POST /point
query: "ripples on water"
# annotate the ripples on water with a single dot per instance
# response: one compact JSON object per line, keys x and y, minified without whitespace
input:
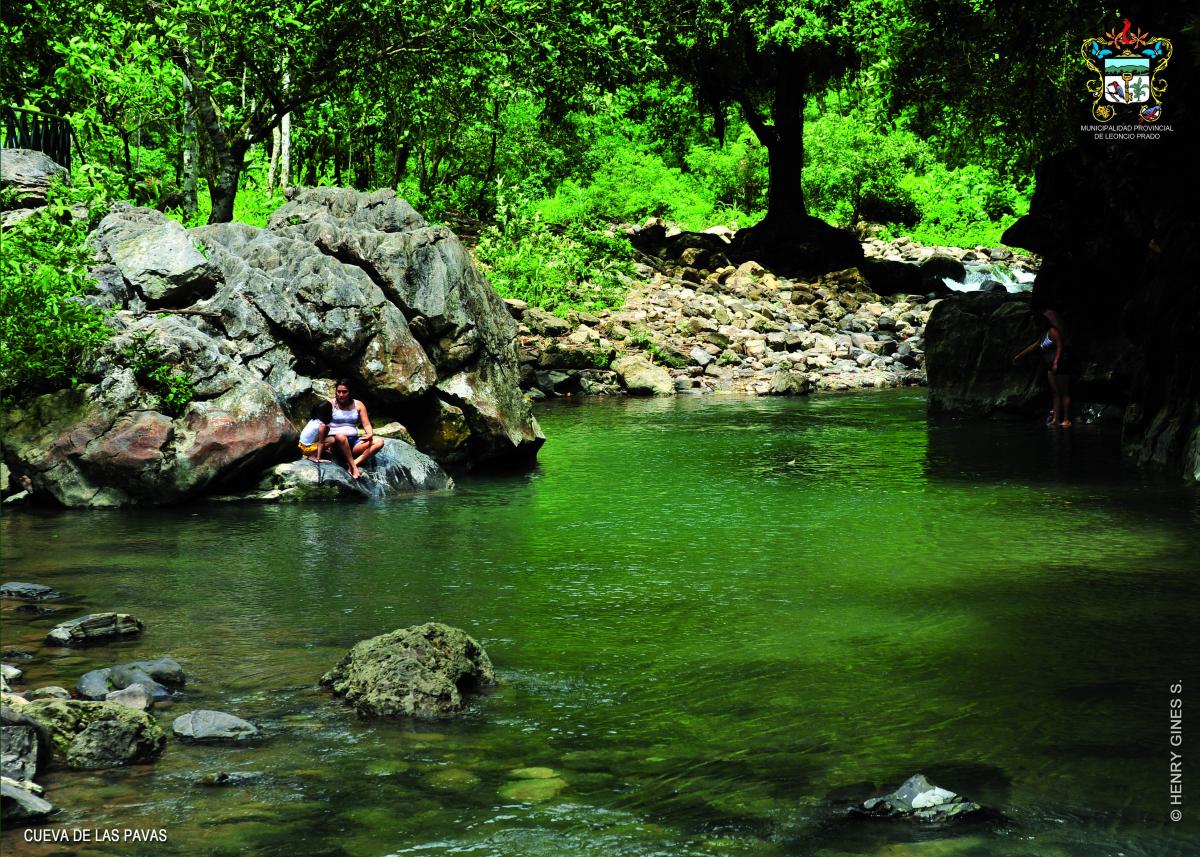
{"x":717,"y":620}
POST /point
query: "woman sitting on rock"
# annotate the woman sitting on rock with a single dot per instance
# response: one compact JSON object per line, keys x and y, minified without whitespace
{"x":348,"y":415}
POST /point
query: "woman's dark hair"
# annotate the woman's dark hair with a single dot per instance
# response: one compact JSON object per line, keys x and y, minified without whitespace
{"x":322,"y":411}
{"x":345,"y":382}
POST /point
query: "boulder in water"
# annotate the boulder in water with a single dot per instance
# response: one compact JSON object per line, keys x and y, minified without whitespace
{"x":95,"y":734}
{"x":425,"y":671}
{"x":919,"y":800}
{"x":28,"y":591}
{"x":18,"y":752}
{"x":206,"y":726}
{"x":641,"y":377}
{"x":95,"y":628}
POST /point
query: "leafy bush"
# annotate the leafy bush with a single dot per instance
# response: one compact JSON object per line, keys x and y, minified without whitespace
{"x":852,"y":171}
{"x":173,"y":389}
{"x":562,"y":268}
{"x":47,"y":327}
{"x":963,"y":207}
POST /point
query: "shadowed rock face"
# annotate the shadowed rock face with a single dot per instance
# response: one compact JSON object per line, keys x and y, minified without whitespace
{"x":341,"y":284}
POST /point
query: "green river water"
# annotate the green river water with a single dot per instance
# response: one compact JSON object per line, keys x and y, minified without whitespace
{"x":716,"y":620}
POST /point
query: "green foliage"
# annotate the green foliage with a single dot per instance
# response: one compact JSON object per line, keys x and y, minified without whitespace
{"x":853,"y":171}
{"x":963,"y":207}
{"x":173,"y":390}
{"x":48,"y":328}
{"x":574,"y":267}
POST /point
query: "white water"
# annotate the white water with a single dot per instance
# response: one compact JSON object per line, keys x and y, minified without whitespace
{"x":1013,"y":279}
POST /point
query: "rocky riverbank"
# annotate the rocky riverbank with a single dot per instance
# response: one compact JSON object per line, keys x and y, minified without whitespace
{"x":695,"y":323}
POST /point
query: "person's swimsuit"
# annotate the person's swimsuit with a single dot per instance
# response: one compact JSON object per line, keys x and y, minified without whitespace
{"x":1048,"y":351}
{"x":345,"y":422}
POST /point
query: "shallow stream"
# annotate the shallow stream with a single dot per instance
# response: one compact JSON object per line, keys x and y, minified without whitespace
{"x":716,"y":620}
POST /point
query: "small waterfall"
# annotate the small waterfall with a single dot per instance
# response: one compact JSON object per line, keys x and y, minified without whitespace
{"x":1013,"y":279}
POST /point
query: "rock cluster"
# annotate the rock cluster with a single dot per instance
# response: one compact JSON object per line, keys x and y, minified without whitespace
{"x":740,"y":330}
{"x":260,"y":322}
{"x":425,"y":671}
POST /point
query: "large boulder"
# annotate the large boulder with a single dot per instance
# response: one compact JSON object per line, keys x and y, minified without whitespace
{"x":643,"y":378}
{"x":28,"y":175}
{"x":425,"y":671}
{"x":427,"y":276}
{"x":95,"y":734}
{"x":971,"y":339}
{"x":341,"y":284}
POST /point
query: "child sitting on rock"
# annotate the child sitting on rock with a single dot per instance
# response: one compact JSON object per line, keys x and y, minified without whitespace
{"x":312,"y":436}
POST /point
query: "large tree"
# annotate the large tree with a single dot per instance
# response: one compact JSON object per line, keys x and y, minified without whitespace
{"x":764,"y":58}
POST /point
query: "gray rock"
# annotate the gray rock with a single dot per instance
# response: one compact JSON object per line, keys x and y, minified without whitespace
{"x":700,"y":357}
{"x":424,"y":671}
{"x":94,"y":734}
{"x":94,"y":684}
{"x":991,"y":286}
{"x":95,"y":628}
{"x":344,"y":283}
{"x":971,"y":339}
{"x":18,"y":752}
{"x":643,"y":378}
{"x":28,"y":592}
{"x":165,"y":267}
{"x":50,"y":691}
{"x":10,"y":673}
{"x":545,"y":323}
{"x":135,"y":696}
{"x":789,"y":384}
{"x":203,"y":725}
{"x":397,"y":469}
{"x":165,"y":670}
{"x":919,"y":800}
{"x":29,"y":174}
{"x":19,"y":804}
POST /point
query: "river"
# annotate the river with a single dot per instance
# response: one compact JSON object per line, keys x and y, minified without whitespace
{"x":716,"y":621}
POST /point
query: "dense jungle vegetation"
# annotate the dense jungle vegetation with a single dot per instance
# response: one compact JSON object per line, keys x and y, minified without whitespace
{"x":532,"y":126}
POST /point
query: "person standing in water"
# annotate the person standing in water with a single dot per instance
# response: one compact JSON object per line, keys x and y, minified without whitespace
{"x":349,"y":415}
{"x":1059,"y":367}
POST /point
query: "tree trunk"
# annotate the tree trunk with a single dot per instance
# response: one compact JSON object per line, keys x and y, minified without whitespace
{"x":191,"y":149}
{"x":285,"y":151}
{"x":230,"y":160}
{"x":285,"y":137}
{"x":788,"y":240}
{"x":274,"y":161}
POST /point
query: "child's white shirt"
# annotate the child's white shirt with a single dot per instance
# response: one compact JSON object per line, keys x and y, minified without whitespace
{"x":308,"y":435}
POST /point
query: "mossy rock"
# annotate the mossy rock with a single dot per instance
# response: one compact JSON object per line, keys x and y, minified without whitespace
{"x":533,"y":773}
{"x":95,"y":734}
{"x":425,"y":671}
{"x":533,"y":791}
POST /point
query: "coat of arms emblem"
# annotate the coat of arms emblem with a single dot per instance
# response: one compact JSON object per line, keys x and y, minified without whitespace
{"x":1127,"y":65}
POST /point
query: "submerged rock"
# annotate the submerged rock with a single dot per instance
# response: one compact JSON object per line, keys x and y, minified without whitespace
{"x":533,"y":790}
{"x":230,"y":778}
{"x":203,"y":725}
{"x":95,"y":628}
{"x":136,"y":696}
{"x":424,"y":671}
{"x":152,"y":675}
{"x":95,"y":734}
{"x":919,"y":800}
{"x":28,"y":591}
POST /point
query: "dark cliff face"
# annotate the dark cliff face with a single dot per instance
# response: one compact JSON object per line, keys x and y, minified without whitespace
{"x":1118,"y":226}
